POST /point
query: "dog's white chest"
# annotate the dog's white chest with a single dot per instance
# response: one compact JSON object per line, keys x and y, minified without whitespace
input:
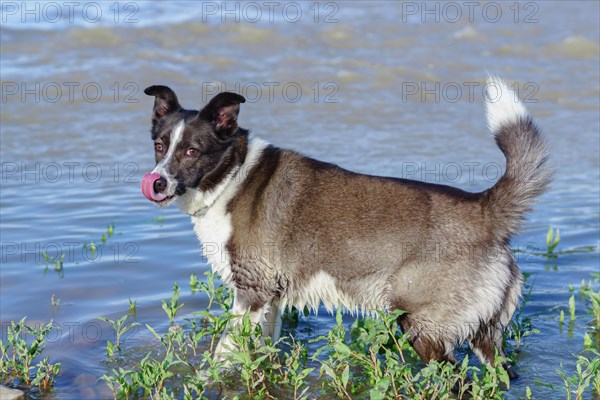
{"x":214,"y":228}
{"x":214,"y":231}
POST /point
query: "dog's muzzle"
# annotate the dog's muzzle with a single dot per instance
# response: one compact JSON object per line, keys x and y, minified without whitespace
{"x":153,"y":187}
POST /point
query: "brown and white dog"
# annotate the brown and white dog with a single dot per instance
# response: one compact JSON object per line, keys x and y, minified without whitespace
{"x":282,"y":229}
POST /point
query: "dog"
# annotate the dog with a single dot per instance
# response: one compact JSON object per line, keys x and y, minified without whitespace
{"x":282,"y":229}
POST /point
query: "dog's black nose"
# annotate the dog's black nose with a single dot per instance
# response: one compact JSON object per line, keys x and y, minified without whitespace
{"x":160,"y":185}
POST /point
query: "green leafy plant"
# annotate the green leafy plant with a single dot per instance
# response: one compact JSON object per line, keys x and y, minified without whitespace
{"x":172,"y":306}
{"x":109,"y":232}
{"x":592,"y":299}
{"x":371,"y":358}
{"x":572,"y":308}
{"x":132,"y":306}
{"x":216,"y":294}
{"x":92,"y":247}
{"x":17,"y":357}
{"x":120,"y":328}
{"x":587,"y":375}
{"x":110,"y":229}
{"x":58,"y":263}
{"x":552,"y":239}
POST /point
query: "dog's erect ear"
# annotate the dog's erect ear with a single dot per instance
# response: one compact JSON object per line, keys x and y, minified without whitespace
{"x":222,"y":111}
{"x":165,"y":101}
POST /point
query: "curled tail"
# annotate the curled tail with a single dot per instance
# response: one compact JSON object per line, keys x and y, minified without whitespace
{"x":527,"y":173}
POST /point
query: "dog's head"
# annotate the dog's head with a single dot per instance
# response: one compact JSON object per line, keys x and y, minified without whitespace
{"x":194,"y":150}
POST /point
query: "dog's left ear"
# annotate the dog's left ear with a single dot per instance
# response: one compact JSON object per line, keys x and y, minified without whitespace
{"x":165,"y":101}
{"x":222,"y":111}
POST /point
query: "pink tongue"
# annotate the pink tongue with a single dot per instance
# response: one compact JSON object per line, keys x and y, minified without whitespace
{"x":148,"y":187}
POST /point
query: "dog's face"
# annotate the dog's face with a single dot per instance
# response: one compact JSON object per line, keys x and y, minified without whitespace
{"x":194,"y":150}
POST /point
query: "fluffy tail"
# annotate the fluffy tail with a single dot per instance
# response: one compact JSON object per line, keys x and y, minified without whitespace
{"x":527,"y":174}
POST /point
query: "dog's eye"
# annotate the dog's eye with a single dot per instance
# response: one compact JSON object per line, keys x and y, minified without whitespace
{"x":192,"y":152}
{"x":158,"y":146}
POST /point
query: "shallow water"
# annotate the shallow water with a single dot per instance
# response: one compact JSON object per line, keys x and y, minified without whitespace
{"x":384,"y":88}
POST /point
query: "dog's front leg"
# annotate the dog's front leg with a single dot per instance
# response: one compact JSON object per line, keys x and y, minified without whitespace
{"x":238,"y":310}
{"x":272,"y":325}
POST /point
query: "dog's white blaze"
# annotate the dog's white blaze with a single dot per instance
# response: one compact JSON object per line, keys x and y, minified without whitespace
{"x":502,"y":104}
{"x":175,"y":138}
{"x":214,"y":227}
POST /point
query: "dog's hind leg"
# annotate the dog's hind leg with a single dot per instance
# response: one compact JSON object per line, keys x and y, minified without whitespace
{"x":429,"y":349}
{"x":425,"y":343}
{"x":486,"y":342}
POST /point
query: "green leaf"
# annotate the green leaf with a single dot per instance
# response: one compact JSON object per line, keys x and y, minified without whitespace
{"x":342,"y":348}
{"x":346,"y":375}
{"x":587,"y":341}
{"x":549,"y":237}
{"x":380,"y":390}
{"x":305,"y":373}
{"x":503,"y":376}
{"x":329,"y":371}
{"x":110,"y":349}
{"x":156,"y":335}
{"x":465,"y":363}
{"x":572,"y":307}
{"x":338,"y":316}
